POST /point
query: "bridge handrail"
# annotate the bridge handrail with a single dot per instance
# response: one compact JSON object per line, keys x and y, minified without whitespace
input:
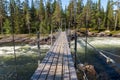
{"x":108,"y":59}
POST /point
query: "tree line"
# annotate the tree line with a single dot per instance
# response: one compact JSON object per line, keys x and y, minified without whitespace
{"x":49,"y":15}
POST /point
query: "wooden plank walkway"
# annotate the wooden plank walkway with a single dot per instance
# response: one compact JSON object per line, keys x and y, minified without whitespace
{"x":58,"y":63}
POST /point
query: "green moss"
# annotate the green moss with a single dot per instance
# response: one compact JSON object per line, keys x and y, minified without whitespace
{"x":115,"y":32}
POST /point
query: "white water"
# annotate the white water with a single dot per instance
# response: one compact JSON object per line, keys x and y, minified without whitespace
{"x":104,"y":41}
{"x":8,"y":50}
{"x":110,"y":44}
{"x":100,"y":41}
{"x":95,"y":41}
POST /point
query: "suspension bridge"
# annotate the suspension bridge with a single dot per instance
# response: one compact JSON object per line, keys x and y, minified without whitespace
{"x":58,"y":63}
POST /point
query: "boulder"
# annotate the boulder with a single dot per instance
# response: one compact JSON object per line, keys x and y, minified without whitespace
{"x":92,"y":34}
{"x":101,"y":34}
{"x":116,"y":35}
{"x":88,"y":68}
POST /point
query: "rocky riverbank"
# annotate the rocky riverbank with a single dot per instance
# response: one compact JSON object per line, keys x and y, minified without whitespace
{"x":96,"y":34}
{"x":47,"y":40}
{"x":26,"y":40}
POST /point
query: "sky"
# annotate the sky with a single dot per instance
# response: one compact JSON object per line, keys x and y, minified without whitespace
{"x":66,"y":2}
{"x":103,"y":2}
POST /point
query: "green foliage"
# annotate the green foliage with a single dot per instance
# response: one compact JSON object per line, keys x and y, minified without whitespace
{"x":41,"y":11}
{"x":6,"y":26}
{"x":56,"y":18}
{"x":37,"y":16}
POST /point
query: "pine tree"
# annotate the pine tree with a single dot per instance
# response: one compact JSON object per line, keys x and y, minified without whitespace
{"x":48,"y":12}
{"x":86,"y":14}
{"x":2,"y":14}
{"x":99,"y":13}
{"x":41,"y":11}
{"x":27,"y":16}
{"x":18,"y":16}
{"x":6,"y":26}
{"x":117,"y":15}
{"x":30,"y":18}
{"x":34,"y":24}
{"x":70,"y":14}
{"x":79,"y":6}
{"x":88,"y":11}
{"x":94,"y":16}
{"x":118,"y":19}
{"x":109,"y":15}
{"x":79,"y":12}
{"x":41,"y":16}
{"x":56,"y":18}
{"x":12,"y":15}
{"x":53,"y":6}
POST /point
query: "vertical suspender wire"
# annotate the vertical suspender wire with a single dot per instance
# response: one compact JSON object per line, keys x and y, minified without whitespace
{"x":69,"y":35}
{"x":86,"y":26}
{"x":51,"y":36}
{"x":61,"y":24}
{"x":65,"y":24}
{"x":51,"y":31}
{"x":70,"y":25}
{"x":13,"y":37}
{"x":75,"y":36}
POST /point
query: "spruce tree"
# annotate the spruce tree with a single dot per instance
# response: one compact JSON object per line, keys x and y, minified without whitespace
{"x":56,"y":18}
{"x":48,"y":12}
{"x":2,"y":14}
{"x":41,"y":11}
{"x":109,"y":15}
{"x":27,"y":16}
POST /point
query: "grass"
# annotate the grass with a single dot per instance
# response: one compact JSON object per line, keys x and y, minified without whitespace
{"x":115,"y":32}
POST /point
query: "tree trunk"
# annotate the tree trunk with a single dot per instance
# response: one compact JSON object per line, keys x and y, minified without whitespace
{"x":108,"y":26}
{"x":29,"y":28}
{"x":98,"y":24}
{"x":116,"y":19}
{"x":1,"y":27}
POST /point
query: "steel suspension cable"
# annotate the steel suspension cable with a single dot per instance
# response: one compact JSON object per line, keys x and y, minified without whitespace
{"x":13,"y":36}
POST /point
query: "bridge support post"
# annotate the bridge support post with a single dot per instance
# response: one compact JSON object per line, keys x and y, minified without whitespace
{"x":75,"y":24}
{"x":75,"y":49}
{"x":69,"y":38}
{"x":69,"y":35}
{"x":51,"y":37}
{"x":38,"y":45}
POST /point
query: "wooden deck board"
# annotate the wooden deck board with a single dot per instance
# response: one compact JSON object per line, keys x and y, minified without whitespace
{"x":43,"y":63}
{"x":66,"y":75}
{"x":53,"y":67}
{"x":47,"y":67}
{"x":58,"y":63}
{"x":71,"y":67}
{"x":58,"y":75}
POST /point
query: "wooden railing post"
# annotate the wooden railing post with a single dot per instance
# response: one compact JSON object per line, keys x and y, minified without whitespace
{"x":75,"y":24}
{"x":38,"y":45}
{"x":51,"y":36}
{"x":75,"y":49}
